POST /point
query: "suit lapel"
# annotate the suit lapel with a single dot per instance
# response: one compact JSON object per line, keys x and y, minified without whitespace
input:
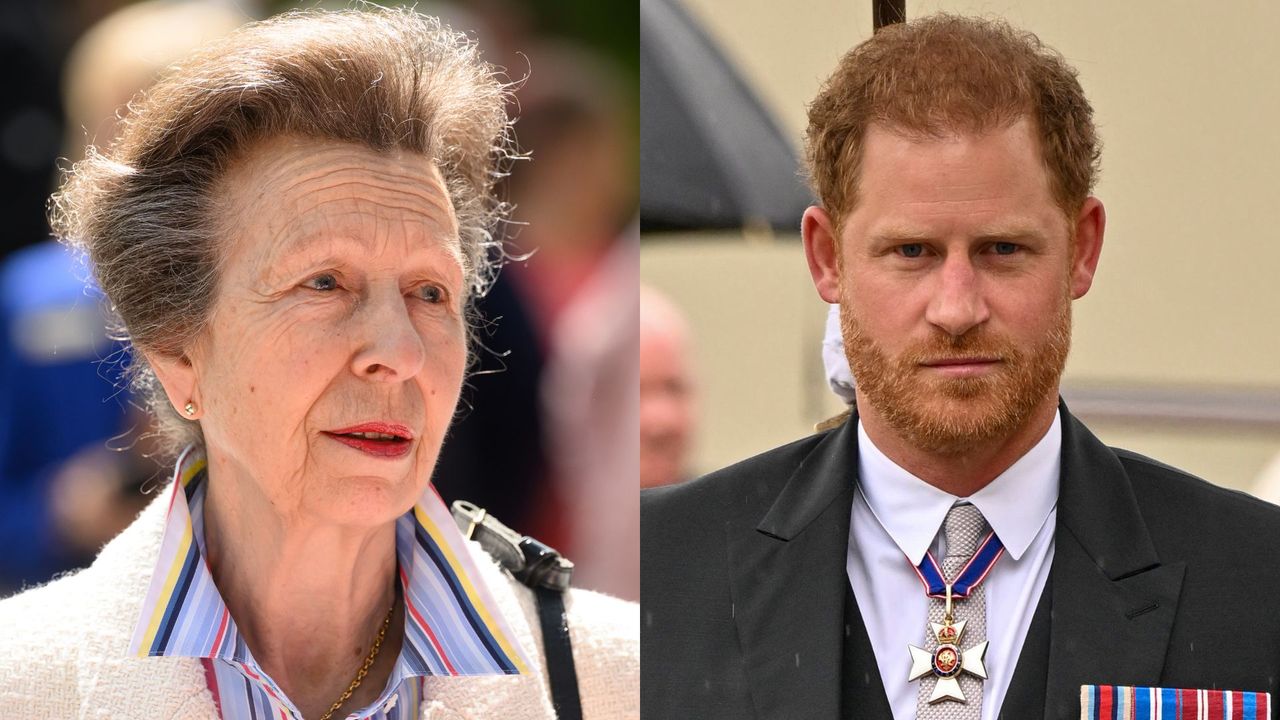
{"x":1113,"y":602}
{"x":787,"y":578}
{"x":862,"y":688}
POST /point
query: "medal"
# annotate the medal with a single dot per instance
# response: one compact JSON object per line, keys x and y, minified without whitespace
{"x":949,"y":659}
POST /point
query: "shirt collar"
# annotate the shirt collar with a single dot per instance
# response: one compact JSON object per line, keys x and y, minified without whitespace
{"x":452,"y":624}
{"x":1016,"y":504}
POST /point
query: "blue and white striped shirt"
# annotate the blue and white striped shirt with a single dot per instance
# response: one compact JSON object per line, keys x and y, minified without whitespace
{"x":452,"y":626}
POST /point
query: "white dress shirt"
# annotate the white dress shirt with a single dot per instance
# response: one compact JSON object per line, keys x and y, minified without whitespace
{"x":897,"y":516}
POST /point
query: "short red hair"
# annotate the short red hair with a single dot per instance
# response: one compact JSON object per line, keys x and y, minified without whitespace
{"x":944,"y":74}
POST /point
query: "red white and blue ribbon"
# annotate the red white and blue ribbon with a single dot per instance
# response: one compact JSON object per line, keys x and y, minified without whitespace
{"x":969,"y":577}
{"x":1117,"y":702}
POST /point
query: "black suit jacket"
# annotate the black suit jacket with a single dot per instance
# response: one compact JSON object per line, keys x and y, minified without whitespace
{"x":1158,"y":578}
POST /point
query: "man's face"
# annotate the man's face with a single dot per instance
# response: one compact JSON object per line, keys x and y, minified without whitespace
{"x":955,"y":277}
{"x":667,"y":404}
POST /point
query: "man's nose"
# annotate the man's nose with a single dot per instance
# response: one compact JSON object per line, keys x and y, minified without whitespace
{"x":958,"y":304}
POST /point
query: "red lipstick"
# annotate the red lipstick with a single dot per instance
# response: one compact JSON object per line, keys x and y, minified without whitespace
{"x":379,"y":439}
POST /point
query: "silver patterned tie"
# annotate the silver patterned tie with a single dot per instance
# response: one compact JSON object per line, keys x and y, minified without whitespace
{"x":964,"y":528}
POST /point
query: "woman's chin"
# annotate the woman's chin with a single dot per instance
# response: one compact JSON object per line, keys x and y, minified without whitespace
{"x":363,"y":499}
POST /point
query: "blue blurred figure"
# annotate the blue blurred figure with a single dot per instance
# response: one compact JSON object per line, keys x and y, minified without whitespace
{"x":58,"y":396}
{"x":73,"y":450}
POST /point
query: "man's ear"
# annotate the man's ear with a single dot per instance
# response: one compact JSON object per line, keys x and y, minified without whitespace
{"x":1091,"y":224}
{"x":821,"y":249}
{"x":178,"y":378}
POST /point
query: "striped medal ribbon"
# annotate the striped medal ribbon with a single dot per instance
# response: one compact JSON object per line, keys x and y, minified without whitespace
{"x":1120,"y":702}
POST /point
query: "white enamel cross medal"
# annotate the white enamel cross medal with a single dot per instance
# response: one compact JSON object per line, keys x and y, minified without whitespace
{"x":948,"y":660}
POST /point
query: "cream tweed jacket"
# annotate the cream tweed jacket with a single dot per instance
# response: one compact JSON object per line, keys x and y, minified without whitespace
{"x":63,"y":649}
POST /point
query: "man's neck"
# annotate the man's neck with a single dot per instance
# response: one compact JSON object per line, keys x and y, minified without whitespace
{"x":963,"y":474}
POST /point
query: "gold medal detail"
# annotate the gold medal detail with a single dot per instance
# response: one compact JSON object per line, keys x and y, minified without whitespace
{"x":948,"y":661}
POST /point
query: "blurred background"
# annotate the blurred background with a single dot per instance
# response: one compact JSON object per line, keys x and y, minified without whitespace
{"x":1175,"y":348}
{"x":546,"y":434}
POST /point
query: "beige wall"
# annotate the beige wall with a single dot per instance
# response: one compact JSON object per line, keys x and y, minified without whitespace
{"x":1185,"y":95}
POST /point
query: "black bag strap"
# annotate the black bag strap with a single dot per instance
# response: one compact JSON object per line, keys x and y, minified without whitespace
{"x":555,"y":639}
{"x":542,"y":568}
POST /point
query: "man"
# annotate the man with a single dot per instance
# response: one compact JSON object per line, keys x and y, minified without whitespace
{"x":667,"y":391}
{"x":954,"y":160}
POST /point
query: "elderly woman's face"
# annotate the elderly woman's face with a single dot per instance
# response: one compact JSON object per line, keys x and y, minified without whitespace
{"x":336,"y":349}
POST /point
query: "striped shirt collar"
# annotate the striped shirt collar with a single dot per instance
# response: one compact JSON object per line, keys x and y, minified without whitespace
{"x":452,"y":626}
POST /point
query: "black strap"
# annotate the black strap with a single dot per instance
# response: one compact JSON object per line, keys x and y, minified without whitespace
{"x":560,"y":668}
{"x":530,"y":561}
{"x":543,"y":569}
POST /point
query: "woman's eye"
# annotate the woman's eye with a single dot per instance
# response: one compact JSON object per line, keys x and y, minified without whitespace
{"x":1005,"y":248}
{"x":432,"y":293}
{"x":911,"y":250}
{"x":324,"y":282}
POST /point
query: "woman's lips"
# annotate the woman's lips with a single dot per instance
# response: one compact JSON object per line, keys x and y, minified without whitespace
{"x":379,"y":439}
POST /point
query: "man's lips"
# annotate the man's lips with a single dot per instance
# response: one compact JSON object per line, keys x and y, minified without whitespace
{"x":962,"y":367}
{"x":946,"y":362}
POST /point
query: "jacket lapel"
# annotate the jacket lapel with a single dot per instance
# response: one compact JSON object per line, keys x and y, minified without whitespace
{"x":787,"y":579}
{"x":1113,"y":602}
{"x":110,"y":679}
{"x":518,"y":697}
{"x":862,"y":688}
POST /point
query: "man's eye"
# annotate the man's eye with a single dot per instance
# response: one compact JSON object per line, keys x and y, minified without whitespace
{"x":1005,"y":248}
{"x":911,"y":250}
{"x":324,"y":282}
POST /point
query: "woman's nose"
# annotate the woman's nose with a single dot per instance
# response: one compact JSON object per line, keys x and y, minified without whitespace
{"x":391,"y":348}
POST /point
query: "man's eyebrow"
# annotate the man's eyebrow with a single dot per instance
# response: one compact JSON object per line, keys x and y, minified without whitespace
{"x":900,"y":234}
{"x":1001,"y":233}
{"x":1011,"y":233}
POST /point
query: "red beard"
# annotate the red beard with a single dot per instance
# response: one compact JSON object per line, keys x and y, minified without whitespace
{"x":947,"y":416}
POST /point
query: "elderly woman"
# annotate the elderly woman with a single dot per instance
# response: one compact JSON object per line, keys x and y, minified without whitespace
{"x":290,"y":228}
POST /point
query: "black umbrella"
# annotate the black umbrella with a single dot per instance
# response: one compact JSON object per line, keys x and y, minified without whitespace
{"x":710,"y":155}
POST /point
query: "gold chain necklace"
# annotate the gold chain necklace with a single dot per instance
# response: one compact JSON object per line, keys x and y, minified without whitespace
{"x":364,"y":669}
